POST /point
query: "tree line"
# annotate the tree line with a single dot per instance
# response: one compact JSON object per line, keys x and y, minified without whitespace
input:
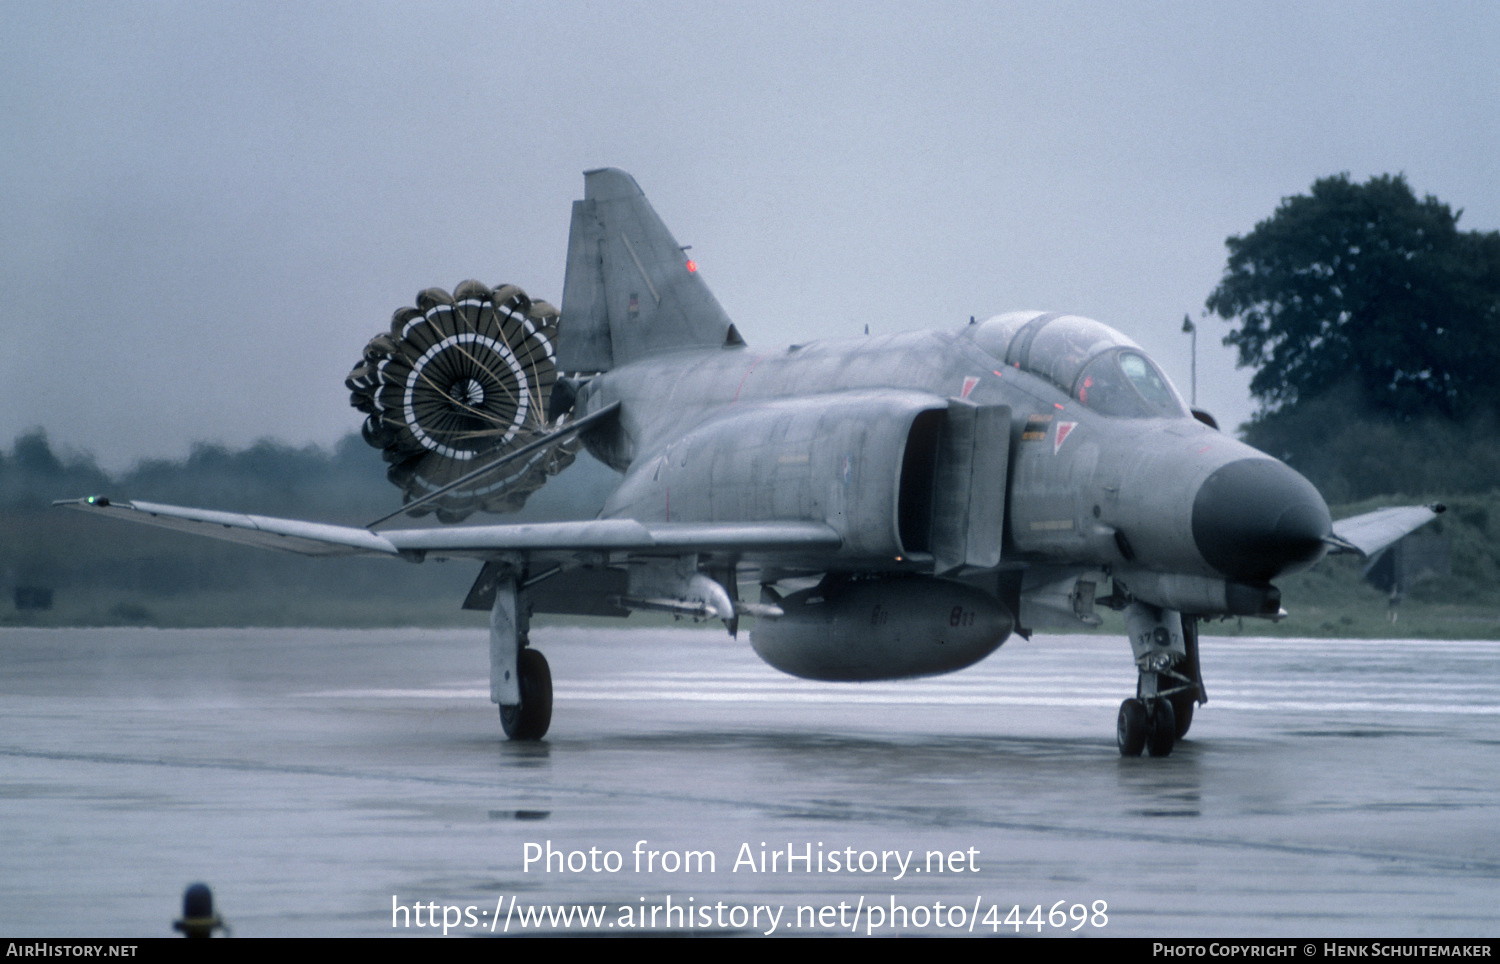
{"x":1373,"y":326}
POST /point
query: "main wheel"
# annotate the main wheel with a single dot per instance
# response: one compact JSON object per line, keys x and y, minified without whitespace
{"x":529,"y":720}
{"x":1161,"y":731}
{"x":1130,"y":730}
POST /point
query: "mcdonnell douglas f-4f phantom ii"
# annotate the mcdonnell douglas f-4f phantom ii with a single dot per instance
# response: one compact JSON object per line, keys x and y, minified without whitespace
{"x":898,"y":505}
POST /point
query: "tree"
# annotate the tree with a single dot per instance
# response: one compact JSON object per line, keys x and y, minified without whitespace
{"x":1365,"y":285}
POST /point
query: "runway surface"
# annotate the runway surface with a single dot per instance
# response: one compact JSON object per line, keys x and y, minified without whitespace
{"x":324,"y":782}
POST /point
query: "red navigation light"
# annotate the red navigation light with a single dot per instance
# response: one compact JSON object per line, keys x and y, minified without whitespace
{"x":692,"y":265}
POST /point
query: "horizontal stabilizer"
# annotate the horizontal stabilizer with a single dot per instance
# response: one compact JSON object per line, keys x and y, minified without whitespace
{"x":1371,"y":532}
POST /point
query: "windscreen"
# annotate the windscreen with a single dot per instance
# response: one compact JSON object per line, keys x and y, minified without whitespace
{"x":1088,"y":360}
{"x":1124,"y":383}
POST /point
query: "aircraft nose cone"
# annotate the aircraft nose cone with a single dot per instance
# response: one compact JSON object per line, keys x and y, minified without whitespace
{"x":1256,"y":518}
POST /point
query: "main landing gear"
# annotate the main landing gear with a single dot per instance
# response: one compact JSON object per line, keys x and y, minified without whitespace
{"x":520,"y":680}
{"x":1165,"y":645}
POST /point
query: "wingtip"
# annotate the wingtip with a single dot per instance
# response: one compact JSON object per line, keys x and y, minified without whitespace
{"x":99,"y":501}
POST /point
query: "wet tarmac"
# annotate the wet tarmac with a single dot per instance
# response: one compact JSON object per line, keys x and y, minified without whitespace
{"x":356,"y":783}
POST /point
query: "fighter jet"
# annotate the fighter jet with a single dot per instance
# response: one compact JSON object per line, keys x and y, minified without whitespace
{"x":883,"y":507}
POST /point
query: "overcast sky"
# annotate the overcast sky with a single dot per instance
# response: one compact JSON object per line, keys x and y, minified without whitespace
{"x":209,"y":208}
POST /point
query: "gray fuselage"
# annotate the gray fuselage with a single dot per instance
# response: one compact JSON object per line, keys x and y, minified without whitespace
{"x":1083,"y":488}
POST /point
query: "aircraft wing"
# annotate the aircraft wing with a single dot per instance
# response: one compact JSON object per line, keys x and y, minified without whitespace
{"x":290,"y":535}
{"x":1371,"y":532}
{"x":475,"y":542}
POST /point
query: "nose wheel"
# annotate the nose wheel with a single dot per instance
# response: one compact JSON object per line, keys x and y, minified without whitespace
{"x":1146,"y":725}
{"x":1131,"y":728}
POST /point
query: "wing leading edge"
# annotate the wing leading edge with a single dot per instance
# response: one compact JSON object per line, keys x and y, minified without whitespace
{"x":1363,"y":534}
{"x":1369,"y":533}
{"x":474,"y":542}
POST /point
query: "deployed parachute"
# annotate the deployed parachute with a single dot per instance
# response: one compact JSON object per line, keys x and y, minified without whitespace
{"x":459,"y":381}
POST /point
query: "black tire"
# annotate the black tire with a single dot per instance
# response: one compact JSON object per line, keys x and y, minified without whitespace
{"x":529,"y":720}
{"x":1130,"y":729}
{"x":1182,"y":708}
{"x":1161,"y":731}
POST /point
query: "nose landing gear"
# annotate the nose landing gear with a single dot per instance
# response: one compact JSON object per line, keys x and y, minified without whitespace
{"x":1165,"y":645}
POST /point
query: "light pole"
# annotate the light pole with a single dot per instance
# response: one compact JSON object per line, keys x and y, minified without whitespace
{"x":1189,"y":328}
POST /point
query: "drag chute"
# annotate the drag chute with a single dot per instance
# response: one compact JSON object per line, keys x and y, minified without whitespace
{"x":458,"y":381}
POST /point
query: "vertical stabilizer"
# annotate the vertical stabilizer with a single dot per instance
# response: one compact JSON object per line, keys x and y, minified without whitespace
{"x":630,"y":291}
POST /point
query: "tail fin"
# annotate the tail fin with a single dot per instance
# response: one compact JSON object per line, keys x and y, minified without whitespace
{"x":630,"y":291}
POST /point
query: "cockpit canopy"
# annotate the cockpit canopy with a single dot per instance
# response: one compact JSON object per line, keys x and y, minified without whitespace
{"x":1090,"y":361}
